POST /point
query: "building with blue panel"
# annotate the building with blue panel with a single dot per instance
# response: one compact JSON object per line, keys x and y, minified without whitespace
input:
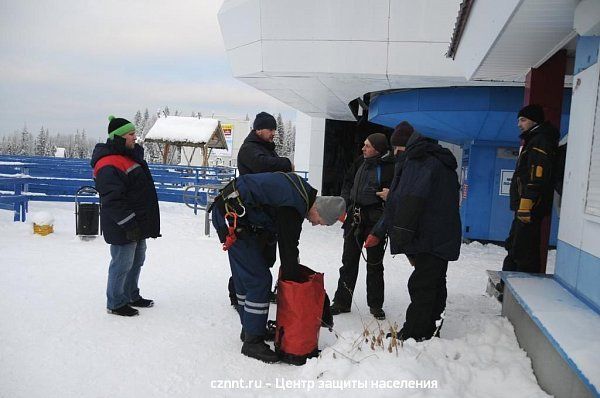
{"x":482,"y":121}
{"x":458,"y":70}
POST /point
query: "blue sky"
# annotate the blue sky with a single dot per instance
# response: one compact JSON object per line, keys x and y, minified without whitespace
{"x":68,"y":64}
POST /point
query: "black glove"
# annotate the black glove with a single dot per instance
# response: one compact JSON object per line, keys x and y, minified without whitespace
{"x":134,"y":234}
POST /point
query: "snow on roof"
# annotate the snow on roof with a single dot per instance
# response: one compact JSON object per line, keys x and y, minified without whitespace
{"x":60,"y":152}
{"x":188,"y":131}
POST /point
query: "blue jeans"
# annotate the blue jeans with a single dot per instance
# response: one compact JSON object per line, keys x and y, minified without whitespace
{"x":124,"y":273}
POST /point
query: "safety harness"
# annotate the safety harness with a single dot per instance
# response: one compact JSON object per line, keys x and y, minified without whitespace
{"x":233,"y":208}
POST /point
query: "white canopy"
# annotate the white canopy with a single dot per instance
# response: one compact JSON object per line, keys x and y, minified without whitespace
{"x":188,"y":131}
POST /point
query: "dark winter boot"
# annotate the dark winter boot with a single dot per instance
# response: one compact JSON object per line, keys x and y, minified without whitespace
{"x":124,"y":311}
{"x":255,"y":347}
{"x":378,"y":313}
{"x":142,"y":302}
{"x":337,"y":309}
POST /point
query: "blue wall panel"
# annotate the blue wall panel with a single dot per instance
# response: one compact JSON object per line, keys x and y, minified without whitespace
{"x":580,"y":272}
{"x":588,"y":278}
{"x":458,"y":114}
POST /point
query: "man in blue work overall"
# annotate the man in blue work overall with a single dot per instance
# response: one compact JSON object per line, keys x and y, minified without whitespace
{"x":248,"y":213}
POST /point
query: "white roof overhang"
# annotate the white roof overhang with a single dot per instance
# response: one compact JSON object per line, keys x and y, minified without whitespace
{"x":318,"y":56}
{"x":502,"y":40}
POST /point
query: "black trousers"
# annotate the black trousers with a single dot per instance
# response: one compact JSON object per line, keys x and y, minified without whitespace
{"x":523,"y":247}
{"x":427,"y":289}
{"x":353,"y":244}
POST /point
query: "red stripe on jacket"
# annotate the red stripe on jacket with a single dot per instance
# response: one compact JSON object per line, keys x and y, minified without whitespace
{"x":121,"y":162}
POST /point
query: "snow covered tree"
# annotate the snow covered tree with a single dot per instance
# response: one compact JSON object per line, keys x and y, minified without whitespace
{"x":41,"y":143}
{"x":138,"y":122}
{"x":50,"y":147}
{"x":289,"y":142}
{"x":76,"y":145}
{"x":152,"y":151}
{"x":83,"y":149}
{"x":25,"y":144}
{"x":279,"y":136}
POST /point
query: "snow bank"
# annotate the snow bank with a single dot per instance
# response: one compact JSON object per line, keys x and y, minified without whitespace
{"x":41,"y":218}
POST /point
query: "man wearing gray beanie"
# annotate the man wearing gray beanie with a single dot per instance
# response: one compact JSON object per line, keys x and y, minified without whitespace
{"x":250,"y":211}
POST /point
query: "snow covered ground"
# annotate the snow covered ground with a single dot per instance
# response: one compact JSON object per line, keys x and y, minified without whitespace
{"x":56,"y":339}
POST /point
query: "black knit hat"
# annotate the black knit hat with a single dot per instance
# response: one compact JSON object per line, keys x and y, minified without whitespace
{"x":533,"y":112}
{"x":264,"y":121}
{"x":119,"y":126}
{"x":379,"y":142}
{"x":402,"y":133}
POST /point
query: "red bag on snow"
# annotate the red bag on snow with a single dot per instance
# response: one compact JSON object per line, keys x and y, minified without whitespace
{"x":299,"y":311}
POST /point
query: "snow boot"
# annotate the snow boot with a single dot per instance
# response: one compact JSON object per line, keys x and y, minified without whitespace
{"x":337,"y":309}
{"x":377,"y":313}
{"x":142,"y":302}
{"x":123,"y":311}
{"x":255,"y":347}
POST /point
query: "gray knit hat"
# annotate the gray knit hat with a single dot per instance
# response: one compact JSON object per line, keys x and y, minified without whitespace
{"x":330,"y":208}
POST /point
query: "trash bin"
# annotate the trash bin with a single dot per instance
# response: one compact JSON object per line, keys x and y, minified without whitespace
{"x":86,"y":214}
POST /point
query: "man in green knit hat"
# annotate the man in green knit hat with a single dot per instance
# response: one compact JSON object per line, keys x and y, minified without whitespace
{"x":129,"y":213}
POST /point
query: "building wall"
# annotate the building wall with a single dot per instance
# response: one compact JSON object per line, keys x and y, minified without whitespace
{"x":578,"y":255}
{"x":317,"y":139}
{"x":302,"y":146}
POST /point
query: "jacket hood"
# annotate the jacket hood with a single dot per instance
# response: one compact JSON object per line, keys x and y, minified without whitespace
{"x":252,"y":137}
{"x":418,"y":146}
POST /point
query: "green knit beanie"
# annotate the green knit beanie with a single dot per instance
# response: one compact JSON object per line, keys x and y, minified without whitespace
{"x":119,"y":126}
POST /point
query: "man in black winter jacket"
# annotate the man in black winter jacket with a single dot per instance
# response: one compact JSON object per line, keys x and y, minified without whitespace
{"x":257,"y":155}
{"x":369,"y":174}
{"x":531,"y":190}
{"x":129,"y":214}
{"x":422,"y":221}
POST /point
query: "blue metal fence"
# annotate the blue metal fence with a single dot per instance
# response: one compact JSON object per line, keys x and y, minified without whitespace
{"x":26,"y":178}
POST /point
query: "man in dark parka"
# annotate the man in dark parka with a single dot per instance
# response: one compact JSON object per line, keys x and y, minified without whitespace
{"x":422,"y":221}
{"x":531,"y":190}
{"x":369,"y":174}
{"x":129,"y":213}
{"x":257,"y":155}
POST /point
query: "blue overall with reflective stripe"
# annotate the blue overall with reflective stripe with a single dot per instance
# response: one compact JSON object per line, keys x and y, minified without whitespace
{"x":251,"y":274}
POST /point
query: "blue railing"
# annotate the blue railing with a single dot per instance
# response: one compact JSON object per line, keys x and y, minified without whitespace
{"x":24,"y":178}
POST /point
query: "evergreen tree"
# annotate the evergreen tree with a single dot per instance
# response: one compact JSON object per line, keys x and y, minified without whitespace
{"x":25,"y":147}
{"x":152,"y":150}
{"x":290,"y":140}
{"x":279,"y":136}
{"x":41,"y":143}
{"x":50,"y":147}
{"x":138,"y":122}
{"x":84,"y":146}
